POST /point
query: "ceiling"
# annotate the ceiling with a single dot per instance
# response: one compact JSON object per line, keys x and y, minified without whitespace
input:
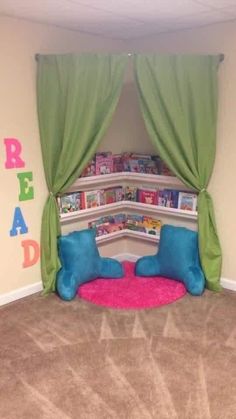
{"x":122,"y":19}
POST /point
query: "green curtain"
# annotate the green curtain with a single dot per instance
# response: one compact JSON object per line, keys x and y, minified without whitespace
{"x":76,"y":95}
{"x":178,"y":97}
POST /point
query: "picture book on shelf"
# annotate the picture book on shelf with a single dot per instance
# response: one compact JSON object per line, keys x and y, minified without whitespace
{"x":130,"y":193}
{"x":187,"y":201}
{"x":119,"y":192}
{"x":168,"y":198}
{"x":70,"y":202}
{"x":147,"y":196}
{"x":109,"y":195}
{"x":117,"y":163}
{"x":91,"y":199}
{"x":90,"y":169}
{"x":104,"y":163}
{"x":134,"y":222}
{"x":152,"y":226}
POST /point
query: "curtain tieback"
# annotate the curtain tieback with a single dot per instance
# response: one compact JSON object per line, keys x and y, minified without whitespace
{"x":202,"y":190}
{"x":51,"y":193}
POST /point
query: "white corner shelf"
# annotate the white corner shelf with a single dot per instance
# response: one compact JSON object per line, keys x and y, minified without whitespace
{"x":111,"y":179}
{"x":124,"y":206}
{"x":127,"y":233}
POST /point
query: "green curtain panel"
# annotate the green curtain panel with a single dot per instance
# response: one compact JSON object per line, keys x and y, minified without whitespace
{"x":76,"y":97}
{"x":178,"y":97}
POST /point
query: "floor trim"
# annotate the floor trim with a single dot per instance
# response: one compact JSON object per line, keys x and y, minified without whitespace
{"x":11,"y":296}
{"x":228,"y":284}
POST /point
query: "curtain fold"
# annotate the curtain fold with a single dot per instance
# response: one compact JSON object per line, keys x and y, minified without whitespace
{"x":178,"y":98}
{"x":76,"y":98}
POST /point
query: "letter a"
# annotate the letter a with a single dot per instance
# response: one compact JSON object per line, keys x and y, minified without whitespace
{"x":18,"y":226}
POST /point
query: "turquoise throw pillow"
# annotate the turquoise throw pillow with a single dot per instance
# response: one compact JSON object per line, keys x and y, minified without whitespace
{"x":177,"y":258}
{"x":81,"y":263}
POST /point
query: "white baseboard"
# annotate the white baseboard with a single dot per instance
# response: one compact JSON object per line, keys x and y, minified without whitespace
{"x":226,"y":283}
{"x":11,"y":296}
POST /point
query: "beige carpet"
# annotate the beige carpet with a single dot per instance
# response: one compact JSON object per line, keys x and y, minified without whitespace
{"x":74,"y":360}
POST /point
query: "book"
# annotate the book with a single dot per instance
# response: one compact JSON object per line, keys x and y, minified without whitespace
{"x":187,"y":201}
{"x":104,"y":163}
{"x":117,"y":163}
{"x":120,"y":218}
{"x":147,"y":196}
{"x":130,"y":193}
{"x":168,"y":198}
{"x":91,"y":199}
{"x":109,"y":195}
{"x":134,"y":222}
{"x":90,"y":169}
{"x":119,"y":192}
{"x":165,"y":171}
{"x":152,"y":226}
{"x":158,"y":163}
{"x":70,"y":202}
{"x":150,"y":167}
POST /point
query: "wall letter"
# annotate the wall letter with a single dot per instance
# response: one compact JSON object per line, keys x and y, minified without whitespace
{"x":18,"y":225}
{"x":13,"y":150}
{"x":26,"y":191}
{"x":30,"y":258}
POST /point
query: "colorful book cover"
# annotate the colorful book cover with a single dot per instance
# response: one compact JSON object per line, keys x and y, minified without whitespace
{"x":165,"y":171}
{"x":187,"y":201}
{"x":134,"y":166}
{"x":158,"y":164}
{"x":117,"y":163}
{"x":104,"y":163}
{"x":119,"y":191}
{"x":168,"y":198}
{"x":150,"y":167}
{"x":71,"y":202}
{"x":90,"y":169}
{"x":161,"y":200}
{"x":102,"y":229}
{"x":120,"y":218}
{"x":152,"y":226}
{"x":134,"y":222}
{"x":147,"y":196}
{"x":92,"y":199}
{"x":130,"y":193}
{"x":109,"y":196}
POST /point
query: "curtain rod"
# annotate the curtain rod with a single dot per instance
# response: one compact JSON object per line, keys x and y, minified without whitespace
{"x":130,"y":54}
{"x":222,"y":56}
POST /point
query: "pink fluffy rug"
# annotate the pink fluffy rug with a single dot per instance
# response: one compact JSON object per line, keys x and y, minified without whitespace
{"x":132,"y":292}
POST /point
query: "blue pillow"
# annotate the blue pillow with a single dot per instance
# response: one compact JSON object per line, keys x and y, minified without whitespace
{"x":177,"y":258}
{"x":81,"y":263}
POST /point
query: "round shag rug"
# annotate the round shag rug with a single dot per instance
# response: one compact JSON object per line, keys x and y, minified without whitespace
{"x":132,"y":292}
